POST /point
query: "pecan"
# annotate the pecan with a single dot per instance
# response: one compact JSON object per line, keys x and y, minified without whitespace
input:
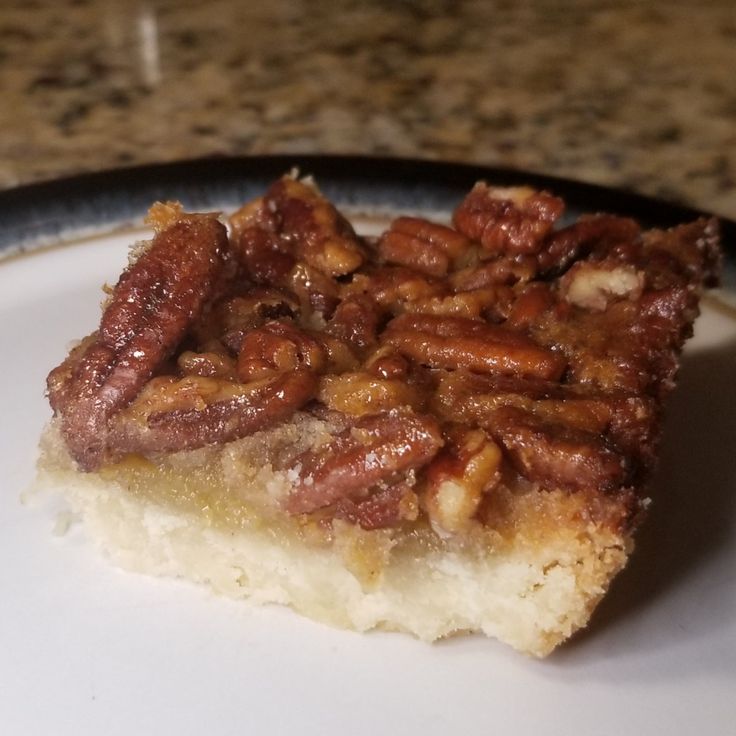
{"x":507,"y":221}
{"x":386,"y":507}
{"x":361,"y":393}
{"x":506,"y":270}
{"x":319,"y":234}
{"x":59,"y":380}
{"x":467,"y":467}
{"x":316,"y":292}
{"x":531,"y":302}
{"x":453,"y":342}
{"x":479,"y":304}
{"x":385,"y":362}
{"x":470,"y":398}
{"x":591,"y":233}
{"x":422,"y":245}
{"x":339,"y":355}
{"x":294,"y":226}
{"x":630,"y":346}
{"x":551,"y":453}
{"x":355,"y":321}
{"x":276,"y":348}
{"x":264,"y":255}
{"x":171,"y":415}
{"x":231,"y":317}
{"x":208,"y":364}
{"x":625,"y":421}
{"x":392,"y":287}
{"x":595,"y":284}
{"x":693,"y":246}
{"x":149,"y":311}
{"x":377,"y":450}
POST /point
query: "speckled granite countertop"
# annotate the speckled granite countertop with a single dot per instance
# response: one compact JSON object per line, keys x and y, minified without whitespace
{"x":632,"y":94}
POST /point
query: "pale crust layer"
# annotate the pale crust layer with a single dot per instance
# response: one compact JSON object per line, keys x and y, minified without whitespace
{"x":531,"y":585}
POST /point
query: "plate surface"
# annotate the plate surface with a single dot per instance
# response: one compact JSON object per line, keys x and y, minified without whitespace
{"x":88,"y":649}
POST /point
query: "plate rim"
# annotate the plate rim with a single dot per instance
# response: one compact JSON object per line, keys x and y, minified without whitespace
{"x":35,"y":214}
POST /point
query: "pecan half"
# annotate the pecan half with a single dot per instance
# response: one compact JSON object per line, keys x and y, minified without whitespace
{"x":293,"y":225}
{"x":624,"y":420}
{"x":592,"y":233}
{"x":595,"y":284}
{"x":392,"y":287}
{"x":149,"y":311}
{"x":387,"y":507}
{"x":455,"y":481}
{"x":551,"y":453}
{"x":422,"y":245}
{"x":316,"y":291}
{"x":276,"y":348}
{"x":452,"y":342}
{"x":385,"y":362}
{"x":171,"y":415}
{"x":320,"y":235}
{"x":377,"y":450}
{"x":694,"y":247}
{"x":507,"y":270}
{"x":356,"y":321}
{"x":264,"y":255}
{"x":507,"y":221}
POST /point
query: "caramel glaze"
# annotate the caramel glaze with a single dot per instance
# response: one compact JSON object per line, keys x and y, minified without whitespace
{"x":457,"y":365}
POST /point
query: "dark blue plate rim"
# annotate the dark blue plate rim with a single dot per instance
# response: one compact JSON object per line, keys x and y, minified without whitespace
{"x":39,"y":213}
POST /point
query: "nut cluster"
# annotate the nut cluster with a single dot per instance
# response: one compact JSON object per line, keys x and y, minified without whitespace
{"x":450,"y":360}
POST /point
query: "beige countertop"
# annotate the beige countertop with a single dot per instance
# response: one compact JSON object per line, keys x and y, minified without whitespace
{"x":631,"y":94}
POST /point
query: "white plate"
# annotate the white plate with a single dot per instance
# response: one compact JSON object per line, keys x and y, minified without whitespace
{"x":88,"y":649}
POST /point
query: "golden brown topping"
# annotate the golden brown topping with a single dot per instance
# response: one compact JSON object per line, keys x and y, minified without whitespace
{"x":540,"y":353}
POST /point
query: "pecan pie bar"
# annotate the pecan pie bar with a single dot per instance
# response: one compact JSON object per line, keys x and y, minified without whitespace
{"x":444,"y":429}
